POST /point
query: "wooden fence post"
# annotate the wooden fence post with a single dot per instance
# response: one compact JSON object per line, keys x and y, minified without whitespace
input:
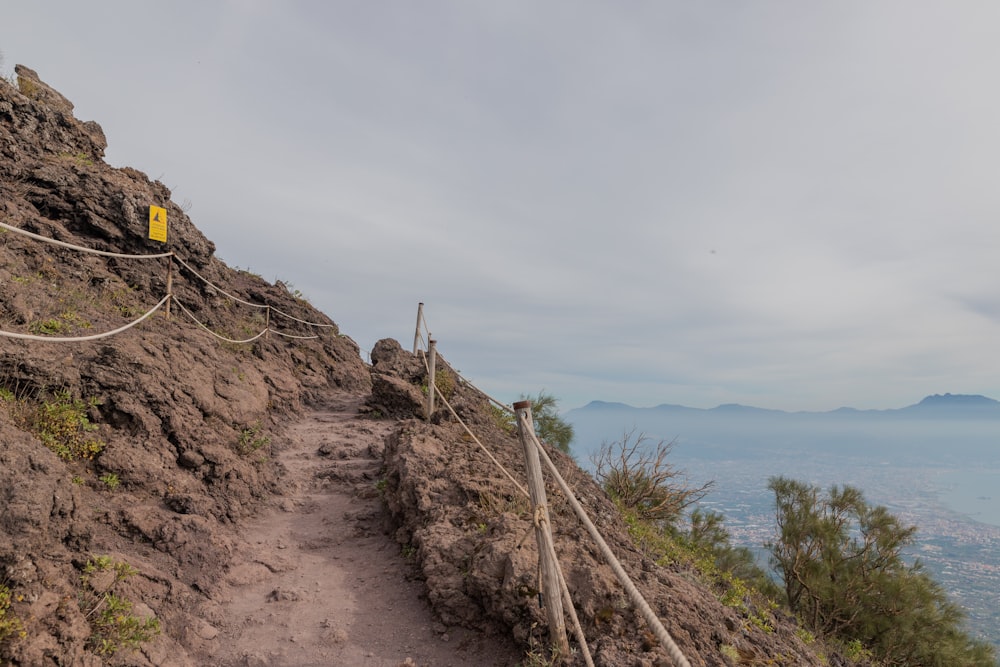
{"x":550,"y":589}
{"x":416,"y":332}
{"x":431,"y":374}
{"x":170,"y":283}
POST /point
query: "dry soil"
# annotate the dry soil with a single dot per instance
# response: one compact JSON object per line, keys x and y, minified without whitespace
{"x":319,"y":579}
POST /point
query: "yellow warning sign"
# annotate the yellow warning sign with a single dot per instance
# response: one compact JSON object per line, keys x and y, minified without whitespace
{"x":158,"y":224}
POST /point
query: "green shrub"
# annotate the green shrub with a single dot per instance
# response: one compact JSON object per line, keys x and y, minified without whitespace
{"x":62,"y":424}
{"x":113,"y":626}
{"x":251,"y":439}
{"x":11,"y":626}
{"x":549,"y":426}
{"x":841,"y":562}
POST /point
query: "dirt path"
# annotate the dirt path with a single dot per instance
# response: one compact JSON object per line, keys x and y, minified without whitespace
{"x":318,"y":580}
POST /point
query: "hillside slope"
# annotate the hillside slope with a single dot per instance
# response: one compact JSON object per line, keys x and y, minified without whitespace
{"x":129,"y":465}
{"x":184,"y":418}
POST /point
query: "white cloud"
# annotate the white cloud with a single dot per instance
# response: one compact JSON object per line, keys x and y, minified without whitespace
{"x":782,"y":204}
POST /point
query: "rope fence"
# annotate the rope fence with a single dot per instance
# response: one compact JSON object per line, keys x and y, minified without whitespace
{"x":522,"y":414}
{"x":166,"y":301}
{"x":219,"y":336}
{"x":79,"y":248}
{"x":74,"y":339}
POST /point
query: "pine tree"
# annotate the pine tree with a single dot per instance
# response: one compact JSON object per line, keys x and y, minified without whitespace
{"x":841,"y":562}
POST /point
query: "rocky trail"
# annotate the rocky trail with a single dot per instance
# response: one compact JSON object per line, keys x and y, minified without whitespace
{"x":319,"y":579}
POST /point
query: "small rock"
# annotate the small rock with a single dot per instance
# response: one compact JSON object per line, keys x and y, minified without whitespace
{"x":279,"y":595}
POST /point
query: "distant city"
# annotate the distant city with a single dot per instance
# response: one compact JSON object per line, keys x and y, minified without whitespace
{"x":935,"y":465}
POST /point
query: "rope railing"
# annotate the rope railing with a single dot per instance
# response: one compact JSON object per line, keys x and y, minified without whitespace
{"x":73,"y":339}
{"x":217,"y":288}
{"x":288,"y":335}
{"x":418,"y":338}
{"x":167,"y":300}
{"x":312,"y":324}
{"x":219,"y":336}
{"x":80,"y":248}
{"x":640,"y":603}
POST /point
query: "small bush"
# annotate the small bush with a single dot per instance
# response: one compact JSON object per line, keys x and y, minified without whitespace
{"x":641,"y":479}
{"x":251,"y":439}
{"x":113,"y":625}
{"x":61,"y":423}
{"x":445,"y":382}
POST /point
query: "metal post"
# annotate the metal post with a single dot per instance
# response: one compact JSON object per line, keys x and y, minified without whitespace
{"x":416,"y":333}
{"x":431,"y":387}
{"x":551,"y":592}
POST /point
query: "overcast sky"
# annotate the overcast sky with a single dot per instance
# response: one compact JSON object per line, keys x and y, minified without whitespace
{"x":783,"y":204}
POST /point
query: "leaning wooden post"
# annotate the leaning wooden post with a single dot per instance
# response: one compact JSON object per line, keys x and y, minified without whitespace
{"x":431,"y":373}
{"x":170,"y":283}
{"x":416,"y":332}
{"x":551,"y":592}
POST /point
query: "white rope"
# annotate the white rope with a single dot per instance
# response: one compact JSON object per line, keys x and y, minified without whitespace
{"x":312,"y":324}
{"x":216,"y":287}
{"x":640,"y":602}
{"x":274,"y":331}
{"x":228,"y":340}
{"x":472,"y":435}
{"x":67,"y":339}
{"x":53,"y":241}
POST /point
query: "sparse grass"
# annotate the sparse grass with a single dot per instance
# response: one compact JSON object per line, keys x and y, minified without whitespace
{"x":27,"y":87}
{"x":668,"y":547}
{"x":444,"y":381}
{"x":251,"y":439}
{"x":495,"y":503}
{"x":49,"y":327}
{"x":11,"y":626}
{"x":79,"y":157}
{"x":110,"y":480}
{"x":113,"y":625}
{"x":504,"y":419}
{"x":729,"y":651}
{"x":121,"y":299}
{"x":539,"y":655}
{"x":63,"y":323}
{"x":62,"y":424}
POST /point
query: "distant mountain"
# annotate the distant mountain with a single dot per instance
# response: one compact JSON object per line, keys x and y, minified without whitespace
{"x":958,"y":402}
{"x":936,"y":406}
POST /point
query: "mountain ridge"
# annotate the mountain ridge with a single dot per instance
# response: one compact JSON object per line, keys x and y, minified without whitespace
{"x":937,"y":404}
